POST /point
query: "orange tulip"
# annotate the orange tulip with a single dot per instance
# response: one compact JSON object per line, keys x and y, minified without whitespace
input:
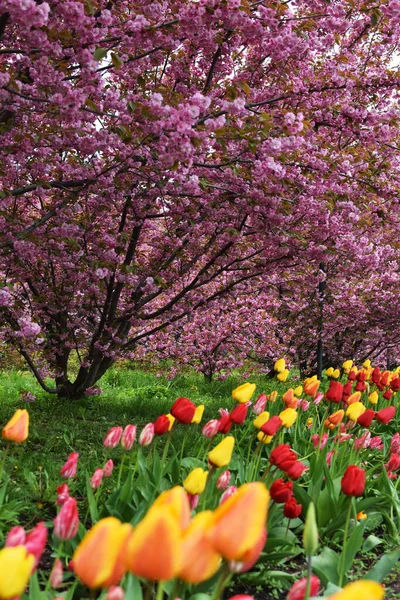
{"x":99,"y":559}
{"x":334,"y":419}
{"x":155,"y":548}
{"x":17,"y":428}
{"x":239,"y":522}
{"x":289,"y":399}
{"x":311,"y":386}
{"x":200,"y":560}
{"x":176,"y":500}
{"x":353,"y":398}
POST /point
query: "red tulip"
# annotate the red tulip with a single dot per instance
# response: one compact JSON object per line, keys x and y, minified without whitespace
{"x":376,"y":375}
{"x":271,"y":426}
{"x":366,"y":418}
{"x":295,"y":470}
{"x":69,"y":469}
{"x":393,"y":463}
{"x":35,"y":542}
{"x":113,"y":437}
{"x":335,"y":392}
{"x":239,"y":414}
{"x":280,"y":491}
{"x":361,"y":376}
{"x":128,"y":437}
{"x":291,"y":509}
{"x":347,"y":390}
{"x":282,"y":453}
{"x":161,"y":425}
{"x":67,"y":521}
{"x":351,"y":376}
{"x":388,"y":395}
{"x":353,"y":481}
{"x":225,"y":424}
{"x":360,"y":386}
{"x":183,"y":410}
{"x":395,"y":384}
{"x":386,"y":414}
{"x":232,"y":489}
{"x":298,"y":589}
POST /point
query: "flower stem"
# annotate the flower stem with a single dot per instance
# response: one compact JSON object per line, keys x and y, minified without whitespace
{"x":342,"y":565}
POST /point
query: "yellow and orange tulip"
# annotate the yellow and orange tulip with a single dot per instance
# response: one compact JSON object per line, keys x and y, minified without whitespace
{"x":17,"y":428}
{"x":200,"y":560}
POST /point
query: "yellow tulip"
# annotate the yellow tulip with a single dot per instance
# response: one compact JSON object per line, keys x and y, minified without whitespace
{"x":360,"y":590}
{"x":15,"y":568}
{"x":336,"y":374}
{"x":298,"y":390}
{"x":98,"y":561}
{"x":367,"y":363}
{"x":309,"y":422}
{"x":355,"y":410}
{"x":283,"y":375}
{"x":221,"y":455}
{"x":280,"y":365}
{"x":261,"y":419}
{"x":262,"y":437}
{"x":347,"y":365}
{"x":244,"y":392}
{"x":373,"y":397}
{"x":329,"y":372}
{"x":288,"y":417}
{"x":195,"y":482}
{"x":198,"y":415}
{"x":17,"y":428}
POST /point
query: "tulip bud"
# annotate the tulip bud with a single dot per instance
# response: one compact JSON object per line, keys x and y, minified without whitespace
{"x":62,"y":494}
{"x":211,"y":428}
{"x":96,"y":479}
{"x":223,"y":480}
{"x":115,"y":593}
{"x":193,"y":501}
{"x":281,"y":491}
{"x":244,"y":392}
{"x":239,"y":414}
{"x":310,"y":533}
{"x":353,"y":481}
{"x":35,"y":542}
{"x":147,"y":435}
{"x":66,"y":522}
{"x":228,"y":493}
{"x":69,"y":469}
{"x":113,"y":437}
{"x":56,"y":575}
{"x":259,"y":404}
{"x":195,"y":482}
{"x":183,"y":410}
{"x":161,"y":425}
{"x":17,"y":428}
{"x":291,"y":509}
{"x":108,"y":468}
{"x":221,"y":455}
{"x":15,"y":537}
{"x":128,"y":437}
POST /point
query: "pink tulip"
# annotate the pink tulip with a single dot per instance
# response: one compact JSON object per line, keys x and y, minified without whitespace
{"x":395,"y":443}
{"x":108,"y":468}
{"x":304,"y":405}
{"x":211,"y":428}
{"x":223,"y":480}
{"x":96,"y":479}
{"x":329,"y":457}
{"x":193,"y":501}
{"x":147,"y":435}
{"x":228,"y":493}
{"x":35,"y":542}
{"x":66,"y":522}
{"x":62,"y":494}
{"x":15,"y":537}
{"x":259,"y":405}
{"x":69,"y":469}
{"x":318,"y":398}
{"x":115,"y":593}
{"x":113,"y":437}
{"x":298,"y":589}
{"x":128,"y":437}
{"x":56,"y":575}
{"x":320,"y":441}
{"x":376,"y":443}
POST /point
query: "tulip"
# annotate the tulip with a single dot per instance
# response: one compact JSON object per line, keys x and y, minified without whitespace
{"x":69,"y":469}
{"x":195,"y":482}
{"x":259,"y":404}
{"x":291,"y":509}
{"x":329,"y":457}
{"x":261,"y":419}
{"x":298,"y":390}
{"x":193,"y":501}
{"x":347,"y":365}
{"x":147,"y":435}
{"x":288,"y":417}
{"x":66,"y":522}
{"x":395,"y":443}
{"x":171,"y":420}
{"x":199,"y":559}
{"x":366,"y":363}
{"x":311,"y":386}
{"x":310,"y":532}
{"x":336,"y":374}
{"x":271,"y":427}
{"x":128,"y":437}
{"x":298,"y":589}
{"x":175,"y":501}
{"x":56,"y":574}
{"x":17,"y":428}
{"x":232,"y":535}
{"x":161,"y":425}
{"x":353,"y":481}
{"x":155,"y":549}
{"x":223,"y":480}
{"x":309,"y":422}
{"x":376,"y":375}
{"x":239,"y":414}
{"x":334,"y":419}
{"x":366,"y":418}
{"x":295,"y":469}
{"x":224,"y":423}
{"x":108,"y":468}
{"x":15,"y":568}
{"x":320,"y":441}
{"x":265,"y":439}
{"x":232,"y":489}
{"x":304,"y":405}
{"x":289,"y":399}
{"x":280,"y":365}
{"x":15,"y":537}
{"x":272,"y":396}
{"x":96,"y":479}
{"x":318,"y":398}
{"x":386,"y":414}
{"x":351,"y":375}
{"x":113,"y":437}
{"x":361,"y":516}
{"x":221,"y":455}
{"x":244,"y":392}
{"x":393,"y":463}
{"x":35,"y":542}
{"x":360,"y":590}
{"x":198,"y":415}
{"x":62,"y":494}
{"x":360,"y":386}
{"x":282,"y":455}
{"x":211,"y":429}
{"x":280,"y":491}
{"x":353,"y":398}
{"x":183,"y":410}
{"x":99,"y":560}
{"x":355,"y":410}
{"x":335,"y":392}
{"x":115,"y":592}
{"x":329,"y":372}
{"x":283,"y":375}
